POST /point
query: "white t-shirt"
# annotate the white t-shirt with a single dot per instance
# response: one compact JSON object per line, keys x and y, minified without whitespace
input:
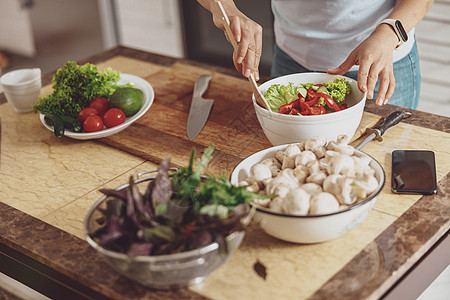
{"x":320,"y":34}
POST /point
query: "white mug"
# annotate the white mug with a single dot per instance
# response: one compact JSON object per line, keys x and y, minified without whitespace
{"x":22,"y":88}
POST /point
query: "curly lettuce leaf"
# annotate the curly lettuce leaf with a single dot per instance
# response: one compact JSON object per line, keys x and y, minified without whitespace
{"x":338,"y":89}
{"x":278,"y":95}
{"x":74,"y":86}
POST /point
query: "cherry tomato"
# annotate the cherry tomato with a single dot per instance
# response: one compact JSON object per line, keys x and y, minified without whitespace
{"x":101,"y":104}
{"x":86,"y":112}
{"x":93,"y":123}
{"x":113,"y":117}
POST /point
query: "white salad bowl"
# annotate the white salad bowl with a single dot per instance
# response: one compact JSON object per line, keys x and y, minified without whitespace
{"x":309,"y":228}
{"x":283,"y":129}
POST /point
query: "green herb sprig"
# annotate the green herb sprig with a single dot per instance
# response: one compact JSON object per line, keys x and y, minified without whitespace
{"x":178,"y":212}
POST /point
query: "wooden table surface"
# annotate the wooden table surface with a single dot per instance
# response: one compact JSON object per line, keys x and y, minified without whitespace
{"x":47,"y":185}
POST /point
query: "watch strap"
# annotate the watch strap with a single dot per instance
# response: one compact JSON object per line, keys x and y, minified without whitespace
{"x":397,"y":26}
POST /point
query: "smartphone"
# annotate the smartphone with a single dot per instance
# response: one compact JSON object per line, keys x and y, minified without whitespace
{"x":413,"y":171}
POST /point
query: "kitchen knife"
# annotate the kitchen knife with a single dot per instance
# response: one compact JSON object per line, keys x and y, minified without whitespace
{"x":200,"y":107}
{"x":376,"y":132}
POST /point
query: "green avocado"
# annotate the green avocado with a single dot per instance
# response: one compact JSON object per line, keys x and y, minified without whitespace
{"x":127,"y":99}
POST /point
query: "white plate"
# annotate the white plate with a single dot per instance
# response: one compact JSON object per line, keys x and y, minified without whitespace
{"x":135,"y":81}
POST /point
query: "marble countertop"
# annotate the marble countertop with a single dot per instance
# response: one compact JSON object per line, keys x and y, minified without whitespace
{"x":48,"y":184}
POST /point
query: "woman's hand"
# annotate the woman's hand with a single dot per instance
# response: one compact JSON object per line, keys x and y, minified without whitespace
{"x":248,"y":35}
{"x":374,"y":57}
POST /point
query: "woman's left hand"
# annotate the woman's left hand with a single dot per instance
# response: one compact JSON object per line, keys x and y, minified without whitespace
{"x":374,"y":57}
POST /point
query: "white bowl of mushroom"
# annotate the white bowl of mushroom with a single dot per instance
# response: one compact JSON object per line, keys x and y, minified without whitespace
{"x":320,"y":189}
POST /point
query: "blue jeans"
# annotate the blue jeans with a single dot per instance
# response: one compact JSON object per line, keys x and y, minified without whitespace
{"x":406,"y":72}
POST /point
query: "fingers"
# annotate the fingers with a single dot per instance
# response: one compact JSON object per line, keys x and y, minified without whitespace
{"x":368,"y":75}
{"x":253,"y":54}
{"x":345,"y":66}
{"x":385,"y":88}
{"x":235,"y":26}
{"x":247,"y":54}
{"x":367,"y":79}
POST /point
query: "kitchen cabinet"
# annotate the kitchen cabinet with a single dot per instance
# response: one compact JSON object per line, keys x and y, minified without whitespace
{"x":47,"y":33}
{"x":16,"y":31}
{"x":151,"y":25}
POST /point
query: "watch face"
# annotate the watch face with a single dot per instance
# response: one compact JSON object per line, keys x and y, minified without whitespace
{"x":401,"y":30}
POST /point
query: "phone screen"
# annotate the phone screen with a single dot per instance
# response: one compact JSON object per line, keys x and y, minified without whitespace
{"x":413,"y":171}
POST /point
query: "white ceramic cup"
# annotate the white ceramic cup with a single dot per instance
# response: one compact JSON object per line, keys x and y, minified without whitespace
{"x":22,"y":88}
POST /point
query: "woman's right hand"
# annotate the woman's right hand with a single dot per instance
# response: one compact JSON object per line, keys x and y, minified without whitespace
{"x":247,"y":33}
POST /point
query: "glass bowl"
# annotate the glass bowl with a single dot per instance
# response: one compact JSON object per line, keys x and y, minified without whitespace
{"x":162,"y":271}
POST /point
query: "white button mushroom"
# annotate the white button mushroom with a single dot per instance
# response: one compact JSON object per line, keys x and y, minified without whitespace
{"x":288,"y":174}
{"x":280,"y":185}
{"x":311,"y":188}
{"x":301,"y":145}
{"x":260,"y":172}
{"x":331,"y":182}
{"x":304,"y":157}
{"x":279,"y":155}
{"x":273,"y":164}
{"x":341,"y":146}
{"x":277,"y":204}
{"x":317,"y":146}
{"x":368,"y":182}
{"x":313,"y":166}
{"x":341,"y":164}
{"x":251,"y":186}
{"x":344,"y":189}
{"x":263,"y":202}
{"x":325,"y":161}
{"x":317,"y":177}
{"x":362,"y":165}
{"x":301,"y":172}
{"x":297,"y":202}
{"x":323,"y":203}
{"x":290,"y":153}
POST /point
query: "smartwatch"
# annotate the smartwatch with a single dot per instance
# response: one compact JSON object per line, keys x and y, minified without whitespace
{"x":397,"y":26}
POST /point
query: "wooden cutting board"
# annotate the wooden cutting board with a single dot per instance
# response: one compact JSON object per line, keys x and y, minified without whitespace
{"x":232,"y":126}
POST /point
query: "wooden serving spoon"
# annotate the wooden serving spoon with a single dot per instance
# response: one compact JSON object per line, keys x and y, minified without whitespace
{"x":258,"y":95}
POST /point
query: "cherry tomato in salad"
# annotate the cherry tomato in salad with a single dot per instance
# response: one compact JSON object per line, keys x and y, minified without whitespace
{"x":93,"y":123}
{"x":113,"y":117}
{"x":86,"y":112}
{"x":101,"y":104}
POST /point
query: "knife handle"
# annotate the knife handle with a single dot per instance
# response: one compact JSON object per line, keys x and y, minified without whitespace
{"x":393,"y":119}
{"x":201,"y":85}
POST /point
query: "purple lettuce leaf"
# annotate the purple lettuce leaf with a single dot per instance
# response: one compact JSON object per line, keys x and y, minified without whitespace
{"x":162,"y":188}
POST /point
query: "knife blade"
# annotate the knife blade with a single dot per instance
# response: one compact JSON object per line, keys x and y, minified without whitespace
{"x":200,"y":108}
{"x":376,"y":132}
